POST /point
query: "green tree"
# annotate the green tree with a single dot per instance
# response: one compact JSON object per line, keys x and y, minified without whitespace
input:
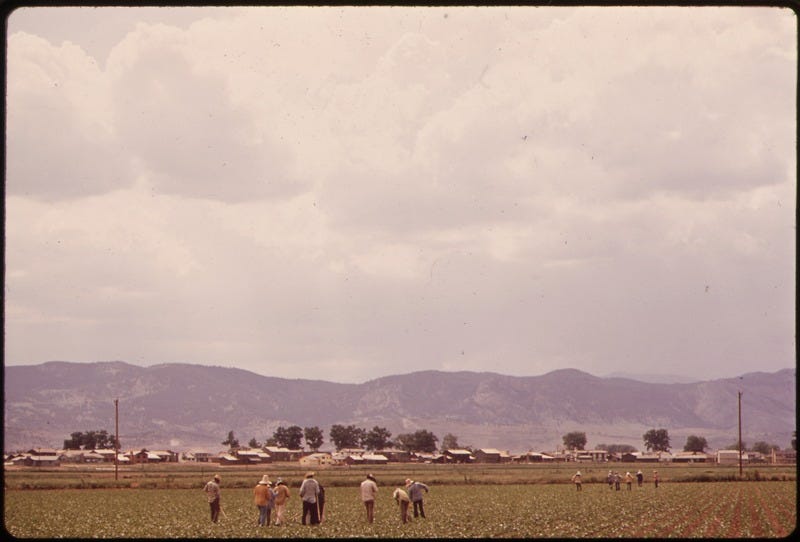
{"x":656,"y":440}
{"x":289,"y":437}
{"x":574,"y":440}
{"x":449,"y":442}
{"x":347,"y":436}
{"x":232,"y":442}
{"x":314,"y":437}
{"x":254,"y":443}
{"x":617,"y":448}
{"x":90,"y":440}
{"x":418,"y":441}
{"x":377,"y":438}
{"x":764,"y":448}
{"x":695,"y":444}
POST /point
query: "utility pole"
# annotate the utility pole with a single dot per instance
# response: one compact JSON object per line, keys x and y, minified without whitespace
{"x":740,"y":433}
{"x":116,"y":439}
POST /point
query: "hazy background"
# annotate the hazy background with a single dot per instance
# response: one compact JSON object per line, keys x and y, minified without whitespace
{"x":346,"y":193}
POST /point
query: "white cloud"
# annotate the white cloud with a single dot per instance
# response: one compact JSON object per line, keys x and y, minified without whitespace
{"x":365,"y":191}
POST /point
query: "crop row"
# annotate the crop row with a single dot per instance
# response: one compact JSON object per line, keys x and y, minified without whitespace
{"x":686,"y":510}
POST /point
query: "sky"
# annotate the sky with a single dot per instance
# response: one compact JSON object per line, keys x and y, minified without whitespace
{"x":345,"y":193}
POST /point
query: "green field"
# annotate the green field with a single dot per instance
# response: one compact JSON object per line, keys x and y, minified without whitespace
{"x":466,"y":501}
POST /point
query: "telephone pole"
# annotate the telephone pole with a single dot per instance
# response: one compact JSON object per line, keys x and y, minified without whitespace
{"x":116,"y":439}
{"x":740,"y":433}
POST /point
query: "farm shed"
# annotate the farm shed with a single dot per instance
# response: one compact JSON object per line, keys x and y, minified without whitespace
{"x":492,"y":455}
{"x":459,"y":456}
{"x":374,"y":459}
{"x":316,"y":459}
{"x":41,"y":461}
{"x":253,"y":456}
{"x":690,"y":457}
{"x":731,"y":457}
{"x":394,"y":455}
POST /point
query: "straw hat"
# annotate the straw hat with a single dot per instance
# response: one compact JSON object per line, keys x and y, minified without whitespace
{"x":309,"y":474}
{"x":409,"y":481}
{"x":264,"y":480}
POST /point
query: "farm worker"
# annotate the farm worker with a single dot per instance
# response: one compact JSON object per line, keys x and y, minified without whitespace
{"x":213,"y":495}
{"x":281,"y":496}
{"x":262,"y":496}
{"x":610,"y":480}
{"x":369,"y":489}
{"x":655,"y":478}
{"x":617,"y":480}
{"x":639,"y":478}
{"x":309,"y":490}
{"x":271,"y":503}
{"x":402,"y":499}
{"x":576,"y":478}
{"x":628,"y":479}
{"x":415,"y":494}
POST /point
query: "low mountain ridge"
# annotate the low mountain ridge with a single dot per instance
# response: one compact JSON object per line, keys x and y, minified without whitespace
{"x":183,"y":406}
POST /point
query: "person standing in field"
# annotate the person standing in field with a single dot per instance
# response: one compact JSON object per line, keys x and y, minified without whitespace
{"x":628,"y":480}
{"x":617,"y":480}
{"x":282,"y":495}
{"x":309,"y":490}
{"x":655,"y":478}
{"x":639,"y":478}
{"x":402,"y":499}
{"x":369,"y":490}
{"x":214,"y":496}
{"x":610,"y":480}
{"x":415,"y":490}
{"x":262,"y":496}
{"x":576,"y":479}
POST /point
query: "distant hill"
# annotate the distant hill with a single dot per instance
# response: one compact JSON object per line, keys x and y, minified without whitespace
{"x":182,"y":406}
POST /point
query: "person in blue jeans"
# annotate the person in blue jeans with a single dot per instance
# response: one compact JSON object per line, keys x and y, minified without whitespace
{"x":415,"y":490}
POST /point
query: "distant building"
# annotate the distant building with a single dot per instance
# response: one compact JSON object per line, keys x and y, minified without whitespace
{"x":459,"y":456}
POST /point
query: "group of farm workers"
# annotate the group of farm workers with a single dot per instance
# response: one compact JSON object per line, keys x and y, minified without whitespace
{"x":614,"y":478}
{"x":269,"y":496}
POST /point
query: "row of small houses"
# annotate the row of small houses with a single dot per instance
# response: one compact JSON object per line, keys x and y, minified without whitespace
{"x":243,"y":456}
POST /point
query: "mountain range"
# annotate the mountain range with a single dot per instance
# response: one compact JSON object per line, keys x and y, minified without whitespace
{"x":181,"y":406}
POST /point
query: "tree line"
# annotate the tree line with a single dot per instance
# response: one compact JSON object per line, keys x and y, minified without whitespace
{"x":348,"y":436}
{"x":657,"y":440}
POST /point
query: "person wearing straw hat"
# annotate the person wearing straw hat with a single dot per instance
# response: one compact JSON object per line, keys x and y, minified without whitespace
{"x":401,"y":497}
{"x":369,"y":490}
{"x":628,"y":480}
{"x":262,"y":496}
{"x":415,"y":490}
{"x":282,"y":495}
{"x":214,"y":496}
{"x":309,"y":491}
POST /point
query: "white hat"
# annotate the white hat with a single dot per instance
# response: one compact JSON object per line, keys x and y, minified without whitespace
{"x":264,"y":480}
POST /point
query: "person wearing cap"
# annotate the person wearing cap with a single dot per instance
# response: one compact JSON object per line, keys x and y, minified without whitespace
{"x":282,"y":495}
{"x":369,"y":490}
{"x":262,"y":495}
{"x":401,"y":497}
{"x":309,"y":490}
{"x":576,"y":479}
{"x":628,"y":480}
{"x":214,"y":495}
{"x":415,"y":490}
